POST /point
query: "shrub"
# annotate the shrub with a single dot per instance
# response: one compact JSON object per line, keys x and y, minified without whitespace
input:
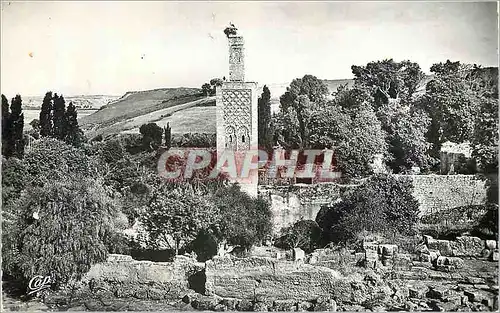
{"x":151,"y":136}
{"x":304,"y":234}
{"x":58,"y":230}
{"x":51,"y":159}
{"x":381,"y":204}
{"x":194,"y":140}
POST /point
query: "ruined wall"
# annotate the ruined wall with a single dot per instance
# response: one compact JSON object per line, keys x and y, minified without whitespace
{"x":271,"y":279}
{"x":293,"y":203}
{"x":124,"y":277}
{"x":290,"y":204}
{"x":438,"y":192}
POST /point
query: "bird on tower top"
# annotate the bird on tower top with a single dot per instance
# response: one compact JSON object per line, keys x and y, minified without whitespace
{"x":230,"y":30}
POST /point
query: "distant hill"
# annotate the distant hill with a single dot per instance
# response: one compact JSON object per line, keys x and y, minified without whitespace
{"x":81,"y":102}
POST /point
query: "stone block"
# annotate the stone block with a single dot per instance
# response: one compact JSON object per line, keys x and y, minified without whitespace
{"x":437,"y":292}
{"x":417,"y":292}
{"x":372,"y":246}
{"x":434,"y":254}
{"x":272,"y":279}
{"x":328,"y":306}
{"x":260,"y":307}
{"x":494,"y":255}
{"x":444,"y":246}
{"x":389,"y":250}
{"x":467,"y":246}
{"x":298,"y":254}
{"x":304,"y":306}
{"x":284,"y":305}
{"x":441,"y":261}
{"x":455,"y":262}
{"x":424,"y":257}
{"x":230,"y":303}
{"x":491,"y":244}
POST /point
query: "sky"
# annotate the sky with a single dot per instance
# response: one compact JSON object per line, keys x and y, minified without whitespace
{"x":98,"y":47}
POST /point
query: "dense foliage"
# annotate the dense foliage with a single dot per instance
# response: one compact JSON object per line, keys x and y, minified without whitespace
{"x":382,"y":204}
{"x":58,"y":230}
{"x":304,"y":234}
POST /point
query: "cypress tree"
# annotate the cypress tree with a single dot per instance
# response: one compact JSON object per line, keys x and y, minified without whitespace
{"x":264,"y":119}
{"x":72,"y":133}
{"x":5,"y":126}
{"x":168,"y":136}
{"x":46,"y":116}
{"x":16,"y":125}
{"x":58,"y":118}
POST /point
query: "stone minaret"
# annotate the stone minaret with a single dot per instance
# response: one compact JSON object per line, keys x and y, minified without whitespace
{"x":237,"y":107}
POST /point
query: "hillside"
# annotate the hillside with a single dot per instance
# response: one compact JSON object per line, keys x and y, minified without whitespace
{"x":135,"y":104}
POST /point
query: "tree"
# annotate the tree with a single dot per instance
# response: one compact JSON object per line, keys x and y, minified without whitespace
{"x":297,"y":104}
{"x":175,"y":218}
{"x":59,"y":118}
{"x":304,"y":234}
{"x":264,"y":119}
{"x":15,"y":178}
{"x":354,"y":134}
{"x":207,"y":89}
{"x":6,"y":150}
{"x":243,"y":221}
{"x":58,"y":230}
{"x":50,"y":159}
{"x":382,"y":204}
{"x":46,"y":116}
{"x":309,"y":85}
{"x":485,"y":140}
{"x":72,"y":134}
{"x":151,"y":136}
{"x":215,"y":82}
{"x":406,"y":130}
{"x":16,"y":126}
{"x":168,"y":136}
{"x":388,"y":81}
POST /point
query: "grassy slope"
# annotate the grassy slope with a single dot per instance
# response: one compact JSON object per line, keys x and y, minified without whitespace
{"x":134,"y":104}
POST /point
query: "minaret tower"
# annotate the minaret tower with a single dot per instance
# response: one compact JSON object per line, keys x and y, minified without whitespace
{"x":237,"y":104}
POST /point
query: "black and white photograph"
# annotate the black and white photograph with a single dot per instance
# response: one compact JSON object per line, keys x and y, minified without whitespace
{"x":327,"y":156}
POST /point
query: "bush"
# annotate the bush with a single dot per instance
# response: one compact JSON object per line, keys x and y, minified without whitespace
{"x":305,"y":234}
{"x":58,"y":230}
{"x":194,"y":140}
{"x":382,"y":204}
{"x":151,"y":136}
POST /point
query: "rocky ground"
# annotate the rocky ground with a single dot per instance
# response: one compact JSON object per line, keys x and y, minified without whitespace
{"x":378,"y":279}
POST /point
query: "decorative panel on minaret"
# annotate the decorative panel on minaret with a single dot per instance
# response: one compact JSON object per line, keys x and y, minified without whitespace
{"x":236,"y":59}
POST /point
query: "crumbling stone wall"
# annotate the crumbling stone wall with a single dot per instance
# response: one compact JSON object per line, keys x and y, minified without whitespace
{"x":268,"y":279}
{"x":439,"y":192}
{"x":124,"y":277}
{"x":290,"y":204}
